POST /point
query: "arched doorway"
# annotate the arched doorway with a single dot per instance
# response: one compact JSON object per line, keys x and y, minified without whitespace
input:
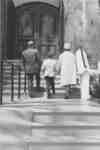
{"x":39,"y":22}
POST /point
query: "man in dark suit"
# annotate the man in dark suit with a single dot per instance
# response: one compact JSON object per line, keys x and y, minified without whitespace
{"x":32,"y":65}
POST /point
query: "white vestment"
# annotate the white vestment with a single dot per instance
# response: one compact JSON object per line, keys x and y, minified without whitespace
{"x":67,"y":68}
{"x":82,"y":70}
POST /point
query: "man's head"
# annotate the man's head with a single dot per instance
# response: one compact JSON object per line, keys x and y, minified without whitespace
{"x":67,"y":46}
{"x":80,"y":44}
{"x":30,"y":43}
{"x":50,"y":54}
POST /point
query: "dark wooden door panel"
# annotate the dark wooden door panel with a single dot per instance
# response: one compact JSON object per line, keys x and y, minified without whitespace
{"x":37,"y":22}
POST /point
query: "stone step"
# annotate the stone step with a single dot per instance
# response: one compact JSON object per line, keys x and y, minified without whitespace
{"x":7,"y":82}
{"x":61,"y":141}
{"x":56,"y":146}
{"x":30,"y":144}
{"x":64,"y":147}
{"x":47,"y":136}
{"x":7,"y":91}
{"x":15,"y":123}
{"x":45,"y":115}
{"x":55,"y":106}
{"x":13,"y":146}
{"x":26,"y":129}
{"x":22,"y":78}
{"x":83,"y":120}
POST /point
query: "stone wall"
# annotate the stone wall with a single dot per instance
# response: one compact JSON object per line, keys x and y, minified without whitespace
{"x":93,"y":28}
{"x":2,"y":24}
{"x":73,"y":21}
{"x":83,"y":24}
{"x":0,"y":31}
{"x":3,"y":28}
{"x":80,"y":25}
{"x":4,"y":5}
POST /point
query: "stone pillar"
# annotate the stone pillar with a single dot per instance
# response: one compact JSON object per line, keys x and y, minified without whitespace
{"x":0,"y":30}
{"x":3,"y":26}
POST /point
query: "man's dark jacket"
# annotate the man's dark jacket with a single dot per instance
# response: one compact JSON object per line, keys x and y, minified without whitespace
{"x":31,"y":60}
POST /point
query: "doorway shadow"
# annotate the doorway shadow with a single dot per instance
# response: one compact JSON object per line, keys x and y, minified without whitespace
{"x":74,"y":93}
{"x":60,"y":92}
{"x":37,"y":93}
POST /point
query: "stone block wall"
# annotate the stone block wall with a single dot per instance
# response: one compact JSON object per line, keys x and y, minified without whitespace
{"x":93,"y":28}
{"x":73,"y":25}
{"x":83,"y":24}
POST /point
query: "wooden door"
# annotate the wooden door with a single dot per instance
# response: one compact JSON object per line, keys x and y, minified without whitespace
{"x":38,"y":22}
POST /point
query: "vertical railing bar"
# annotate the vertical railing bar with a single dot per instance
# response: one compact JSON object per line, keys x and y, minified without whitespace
{"x":19,"y":81}
{"x":25,"y":83}
{"x":12,"y":82}
{"x":1,"y":82}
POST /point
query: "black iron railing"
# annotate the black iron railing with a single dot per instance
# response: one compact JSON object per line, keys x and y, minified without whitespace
{"x":19,"y":81}
{"x":1,"y":81}
{"x":25,"y":87}
{"x":12,"y":82}
{"x":11,"y":78}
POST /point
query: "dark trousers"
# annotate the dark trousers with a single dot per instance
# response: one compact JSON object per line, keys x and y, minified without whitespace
{"x":30,"y":81}
{"x":50,"y":84}
{"x":67,"y":90}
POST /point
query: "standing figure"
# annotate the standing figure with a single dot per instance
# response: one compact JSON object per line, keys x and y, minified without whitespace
{"x":83,"y":71}
{"x":32,"y":65}
{"x":48,"y":70}
{"x":67,"y":69}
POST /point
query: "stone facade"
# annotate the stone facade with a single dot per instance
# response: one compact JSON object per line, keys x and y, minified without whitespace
{"x":73,"y":24}
{"x":3,"y":27}
{"x":0,"y":33}
{"x":81,"y":23}
{"x":93,"y":28}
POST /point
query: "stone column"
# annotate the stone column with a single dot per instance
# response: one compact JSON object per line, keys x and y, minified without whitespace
{"x":0,"y":30}
{"x":3,"y":26}
{"x":0,"y":50}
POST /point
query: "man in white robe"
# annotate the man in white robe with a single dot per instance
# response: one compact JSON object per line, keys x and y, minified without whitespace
{"x":67,"y":68}
{"x":83,"y":71}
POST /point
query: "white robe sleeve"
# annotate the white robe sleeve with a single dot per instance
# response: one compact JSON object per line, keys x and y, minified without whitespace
{"x":79,"y":62}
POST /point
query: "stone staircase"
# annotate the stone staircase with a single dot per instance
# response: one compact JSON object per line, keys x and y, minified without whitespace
{"x":51,"y":124}
{"x":7,"y":81}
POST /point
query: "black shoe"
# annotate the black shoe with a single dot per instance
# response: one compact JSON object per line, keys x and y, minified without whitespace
{"x":48,"y":95}
{"x":66,"y":97}
{"x":31,"y":95}
{"x":53,"y":92}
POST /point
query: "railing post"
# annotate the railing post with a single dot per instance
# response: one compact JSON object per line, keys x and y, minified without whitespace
{"x":1,"y":82}
{"x":12,"y":82}
{"x":25,"y":83}
{"x":19,"y":81}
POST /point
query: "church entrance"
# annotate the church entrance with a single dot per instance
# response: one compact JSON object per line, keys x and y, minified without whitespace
{"x":39,"y":22}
